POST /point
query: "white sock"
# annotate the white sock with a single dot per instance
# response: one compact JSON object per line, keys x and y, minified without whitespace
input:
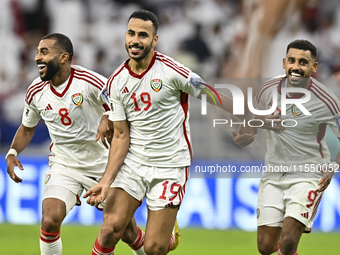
{"x":50,"y":243}
{"x":140,"y":251}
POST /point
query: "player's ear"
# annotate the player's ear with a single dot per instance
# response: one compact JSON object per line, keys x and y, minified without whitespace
{"x":284,"y":63}
{"x":315,"y":67}
{"x":154,"y":41}
{"x":64,"y":57}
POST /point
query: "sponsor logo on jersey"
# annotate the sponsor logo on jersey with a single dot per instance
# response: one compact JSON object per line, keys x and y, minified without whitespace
{"x":305,"y":215}
{"x":113,"y":107}
{"x":156,"y":84}
{"x":337,"y":121}
{"x":48,"y":177}
{"x":27,"y":111}
{"x":296,"y":111}
{"x":48,"y":107}
{"x":125,"y":90}
{"x":77,"y":99}
{"x":258,"y":213}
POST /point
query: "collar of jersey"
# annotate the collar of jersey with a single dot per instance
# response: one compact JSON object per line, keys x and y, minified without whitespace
{"x":298,"y":96}
{"x":140,"y":76}
{"x":54,"y":91}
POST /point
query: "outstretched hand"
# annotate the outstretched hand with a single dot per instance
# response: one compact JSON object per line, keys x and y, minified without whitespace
{"x":326,"y":177}
{"x":105,"y":130}
{"x":13,"y":161}
{"x":97,"y":194}
{"x":244,"y":139}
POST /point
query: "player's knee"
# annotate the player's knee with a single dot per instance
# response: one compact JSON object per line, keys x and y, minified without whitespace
{"x":288,"y":243}
{"x":265,"y":248}
{"x":111,"y":231}
{"x":155,"y":248}
{"x":50,"y":224}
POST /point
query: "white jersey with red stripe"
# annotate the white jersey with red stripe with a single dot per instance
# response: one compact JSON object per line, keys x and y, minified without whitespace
{"x":305,"y":143}
{"x":155,"y":103}
{"x":72,"y":113}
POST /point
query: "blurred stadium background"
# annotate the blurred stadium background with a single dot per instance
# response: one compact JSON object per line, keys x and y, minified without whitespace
{"x":217,"y":39}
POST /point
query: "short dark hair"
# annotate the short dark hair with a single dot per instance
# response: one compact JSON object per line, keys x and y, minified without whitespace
{"x":62,"y":41}
{"x":146,"y":15}
{"x":303,"y":45}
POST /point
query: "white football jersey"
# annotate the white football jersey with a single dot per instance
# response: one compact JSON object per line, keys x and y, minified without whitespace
{"x":72,"y":113}
{"x":155,"y":103}
{"x":304,"y":143}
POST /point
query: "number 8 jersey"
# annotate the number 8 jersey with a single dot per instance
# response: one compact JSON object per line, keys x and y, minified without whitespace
{"x":155,"y":104}
{"x":72,"y":113}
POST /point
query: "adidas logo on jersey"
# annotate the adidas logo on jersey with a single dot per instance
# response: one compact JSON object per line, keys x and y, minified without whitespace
{"x":48,"y":107}
{"x":305,"y":215}
{"x":125,"y":90}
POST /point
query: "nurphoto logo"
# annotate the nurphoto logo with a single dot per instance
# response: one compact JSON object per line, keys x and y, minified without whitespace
{"x":239,"y":103}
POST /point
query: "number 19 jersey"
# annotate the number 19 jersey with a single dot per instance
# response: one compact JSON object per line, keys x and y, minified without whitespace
{"x":72,"y":113}
{"x":155,"y":104}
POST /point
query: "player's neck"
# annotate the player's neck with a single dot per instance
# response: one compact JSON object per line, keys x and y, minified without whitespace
{"x":61,"y":76}
{"x":139,"y":66}
{"x":303,"y":85}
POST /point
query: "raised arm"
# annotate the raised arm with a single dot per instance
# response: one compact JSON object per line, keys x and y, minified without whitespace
{"x":118,"y":150}
{"x":20,"y":141}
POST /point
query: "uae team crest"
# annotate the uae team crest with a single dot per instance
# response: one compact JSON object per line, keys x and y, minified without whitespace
{"x":296,"y":111}
{"x":156,"y":84}
{"x":77,"y":99}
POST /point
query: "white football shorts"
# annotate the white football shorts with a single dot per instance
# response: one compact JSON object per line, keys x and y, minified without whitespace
{"x":287,"y":197}
{"x":162,"y":186}
{"x":67,"y":185}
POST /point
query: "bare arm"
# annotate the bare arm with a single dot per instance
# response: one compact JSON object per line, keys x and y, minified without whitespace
{"x":328,"y":173}
{"x":227,"y":102}
{"x":105,"y":130}
{"x":20,"y":141}
{"x":119,"y":148}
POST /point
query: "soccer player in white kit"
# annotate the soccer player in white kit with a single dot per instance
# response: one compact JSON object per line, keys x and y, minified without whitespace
{"x":151,"y":150}
{"x":71,"y":101}
{"x":297,"y":159}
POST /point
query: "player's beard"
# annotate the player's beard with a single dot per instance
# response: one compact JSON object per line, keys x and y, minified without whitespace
{"x":145,"y":52}
{"x":302,"y":82}
{"x":52,"y":68}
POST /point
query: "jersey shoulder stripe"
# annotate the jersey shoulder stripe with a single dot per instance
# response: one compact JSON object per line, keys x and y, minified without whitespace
{"x":172,"y":64}
{"x":34,"y":89}
{"x":89,"y":80}
{"x":34,"y":84}
{"x":90,"y":76}
{"x":267,"y":85}
{"x":172,"y":61}
{"x":111,"y":78}
{"x":325,"y":97}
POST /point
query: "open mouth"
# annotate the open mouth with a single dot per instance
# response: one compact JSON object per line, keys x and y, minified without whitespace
{"x":295,"y":76}
{"x":41,"y":67}
{"x":135,"y":49}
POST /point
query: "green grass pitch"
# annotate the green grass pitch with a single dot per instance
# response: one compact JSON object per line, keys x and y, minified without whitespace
{"x":78,"y":240}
